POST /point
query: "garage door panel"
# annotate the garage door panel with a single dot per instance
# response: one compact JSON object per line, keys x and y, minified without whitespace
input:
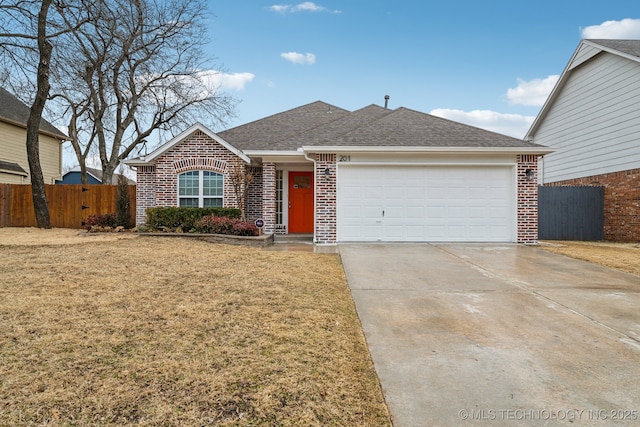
{"x":426,"y":203}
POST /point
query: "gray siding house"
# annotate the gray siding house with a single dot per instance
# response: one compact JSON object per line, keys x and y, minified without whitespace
{"x":592,"y":120}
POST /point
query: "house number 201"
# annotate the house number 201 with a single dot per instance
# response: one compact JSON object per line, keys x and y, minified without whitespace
{"x":344,"y":159}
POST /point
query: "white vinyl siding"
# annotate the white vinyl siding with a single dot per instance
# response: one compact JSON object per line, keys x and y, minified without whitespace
{"x":426,"y":203}
{"x":585,"y":53}
{"x":594,"y":123}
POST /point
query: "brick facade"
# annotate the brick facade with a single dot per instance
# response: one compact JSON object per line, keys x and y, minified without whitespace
{"x":196,"y":152}
{"x":269,"y":197}
{"x":527,"y":199}
{"x":145,"y":191}
{"x":326,"y":199}
{"x":254,"y":195}
{"x":621,"y":202}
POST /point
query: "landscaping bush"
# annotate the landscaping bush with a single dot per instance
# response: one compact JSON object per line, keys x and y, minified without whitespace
{"x":221,"y":225}
{"x":103,"y":221}
{"x":174,"y":218}
{"x":123,"y":205}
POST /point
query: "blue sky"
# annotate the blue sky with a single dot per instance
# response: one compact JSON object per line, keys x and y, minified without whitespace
{"x":486,"y":63}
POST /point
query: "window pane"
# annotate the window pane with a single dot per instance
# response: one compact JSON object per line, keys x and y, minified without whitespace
{"x":302,"y":181}
{"x":189,"y":202}
{"x":188,"y":184}
{"x":212,"y":184}
{"x":212,"y":203}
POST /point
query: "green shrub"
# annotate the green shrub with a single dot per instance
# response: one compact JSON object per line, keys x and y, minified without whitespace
{"x":221,"y":225}
{"x":174,"y":218}
{"x":123,"y":206}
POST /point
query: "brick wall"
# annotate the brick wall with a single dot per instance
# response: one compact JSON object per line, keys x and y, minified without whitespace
{"x":326,"y":199}
{"x":527,"y":199}
{"x":269,"y":196}
{"x":145,"y":191}
{"x":254,"y":195}
{"x":196,"y":152}
{"x":621,"y":202}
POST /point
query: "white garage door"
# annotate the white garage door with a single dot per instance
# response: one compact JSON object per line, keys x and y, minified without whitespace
{"x":426,"y":203}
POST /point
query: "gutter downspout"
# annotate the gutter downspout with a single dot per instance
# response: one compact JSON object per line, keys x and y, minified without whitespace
{"x":314,"y":194}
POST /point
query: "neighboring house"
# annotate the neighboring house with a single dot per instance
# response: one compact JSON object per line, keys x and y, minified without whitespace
{"x":592,"y":120}
{"x":14,"y":166}
{"x":369,"y":175}
{"x":94,"y":176}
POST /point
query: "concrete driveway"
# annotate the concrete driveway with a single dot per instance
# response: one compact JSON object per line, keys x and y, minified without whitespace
{"x":491,"y":334}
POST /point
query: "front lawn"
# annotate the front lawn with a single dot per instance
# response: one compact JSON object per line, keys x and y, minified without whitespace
{"x":165,"y":331}
{"x":621,"y":256}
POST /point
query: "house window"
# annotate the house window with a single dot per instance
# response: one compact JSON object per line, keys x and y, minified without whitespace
{"x":200,"y":189}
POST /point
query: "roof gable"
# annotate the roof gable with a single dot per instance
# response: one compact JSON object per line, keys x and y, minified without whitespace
{"x":151,"y":158}
{"x":586,"y":50}
{"x":14,"y":111}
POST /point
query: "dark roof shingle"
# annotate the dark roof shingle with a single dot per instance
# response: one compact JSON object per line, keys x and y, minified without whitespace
{"x":630,"y":47}
{"x":320,"y":124}
{"x":12,"y":168}
{"x":15,"y":111}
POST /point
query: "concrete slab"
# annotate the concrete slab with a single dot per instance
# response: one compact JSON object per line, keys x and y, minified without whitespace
{"x":497,"y":334}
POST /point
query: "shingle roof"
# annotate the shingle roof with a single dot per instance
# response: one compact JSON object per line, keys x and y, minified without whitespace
{"x":630,"y":47}
{"x":321,"y":124}
{"x":276,"y":132}
{"x":15,"y":111}
{"x":97,"y":174}
{"x":12,"y":168}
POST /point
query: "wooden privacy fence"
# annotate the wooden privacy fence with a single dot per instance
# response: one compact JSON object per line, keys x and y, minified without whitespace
{"x":571,"y":213}
{"x":69,"y":205}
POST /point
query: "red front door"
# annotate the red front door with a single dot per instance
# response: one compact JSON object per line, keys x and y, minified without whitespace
{"x":300,"y":202}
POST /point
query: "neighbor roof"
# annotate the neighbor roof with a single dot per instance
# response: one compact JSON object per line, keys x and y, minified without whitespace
{"x":628,"y":47}
{"x":97,"y":174}
{"x":320,"y":124}
{"x":12,"y":168}
{"x":14,"y":111}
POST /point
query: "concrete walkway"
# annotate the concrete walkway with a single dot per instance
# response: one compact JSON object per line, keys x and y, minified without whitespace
{"x":476,"y":334}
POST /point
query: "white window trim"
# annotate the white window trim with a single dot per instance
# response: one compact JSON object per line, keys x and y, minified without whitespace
{"x":200,"y":196}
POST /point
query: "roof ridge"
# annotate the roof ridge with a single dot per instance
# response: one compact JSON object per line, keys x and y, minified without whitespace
{"x":459,"y":123}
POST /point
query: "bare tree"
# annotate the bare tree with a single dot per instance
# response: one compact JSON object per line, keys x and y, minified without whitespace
{"x":124,"y":71}
{"x":240,"y":180}
{"x":136,"y":70}
{"x":19,"y":41}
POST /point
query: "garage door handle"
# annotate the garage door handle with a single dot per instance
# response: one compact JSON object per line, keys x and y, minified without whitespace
{"x":382,"y":214}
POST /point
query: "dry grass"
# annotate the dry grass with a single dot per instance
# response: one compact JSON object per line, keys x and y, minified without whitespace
{"x":159,"y":331}
{"x":621,"y":256}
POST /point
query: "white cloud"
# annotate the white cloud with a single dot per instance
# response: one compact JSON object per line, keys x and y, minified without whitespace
{"x":299,"y":58}
{"x":514,"y":125}
{"x":279,"y":8}
{"x":233,"y":81}
{"x":625,"y":29}
{"x":532,"y":93}
{"x":306,"y":6}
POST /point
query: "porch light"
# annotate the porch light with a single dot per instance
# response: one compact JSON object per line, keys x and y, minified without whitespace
{"x":327,"y":172}
{"x":529,"y":174}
